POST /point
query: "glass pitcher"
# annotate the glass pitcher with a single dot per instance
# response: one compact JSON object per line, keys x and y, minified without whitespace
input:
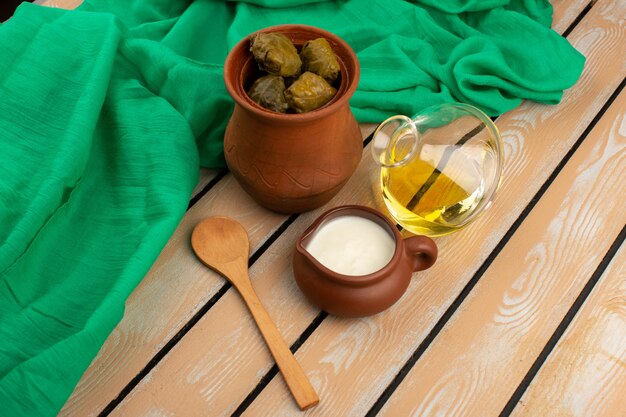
{"x":439,"y":169}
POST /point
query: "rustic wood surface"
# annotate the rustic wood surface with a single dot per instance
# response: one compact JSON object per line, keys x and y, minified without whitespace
{"x":484,"y":332}
{"x":61,"y":4}
{"x":585,"y":373}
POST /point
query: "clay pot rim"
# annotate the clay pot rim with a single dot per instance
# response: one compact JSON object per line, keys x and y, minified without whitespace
{"x":344,"y":94}
{"x":352,"y":280}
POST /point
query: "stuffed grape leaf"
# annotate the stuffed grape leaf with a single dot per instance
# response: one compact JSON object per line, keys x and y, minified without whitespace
{"x":275,"y":54}
{"x":318,"y":57}
{"x":309,"y":92}
{"x":268,"y":91}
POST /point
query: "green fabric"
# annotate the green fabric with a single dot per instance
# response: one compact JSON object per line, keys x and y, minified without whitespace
{"x":106,"y":112}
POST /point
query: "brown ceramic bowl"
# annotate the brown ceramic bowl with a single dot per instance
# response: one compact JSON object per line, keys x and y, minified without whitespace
{"x":291,"y":162}
{"x":363,"y":295}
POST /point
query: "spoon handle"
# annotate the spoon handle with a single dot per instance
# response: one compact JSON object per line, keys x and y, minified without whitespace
{"x":294,"y":376}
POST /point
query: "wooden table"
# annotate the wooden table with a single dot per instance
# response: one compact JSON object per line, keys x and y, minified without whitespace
{"x":524,"y":313}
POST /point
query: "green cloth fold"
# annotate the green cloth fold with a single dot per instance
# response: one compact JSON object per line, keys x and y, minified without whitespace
{"x":107,"y":111}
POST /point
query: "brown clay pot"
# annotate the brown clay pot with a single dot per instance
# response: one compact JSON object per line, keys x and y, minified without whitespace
{"x":357,"y":296}
{"x":291,"y":163}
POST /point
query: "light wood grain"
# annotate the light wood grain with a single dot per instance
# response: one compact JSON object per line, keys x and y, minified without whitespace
{"x":505,"y":323}
{"x":212,"y":376}
{"x":206,"y":175}
{"x":565,"y":12}
{"x":585,"y":375}
{"x":62,"y":4}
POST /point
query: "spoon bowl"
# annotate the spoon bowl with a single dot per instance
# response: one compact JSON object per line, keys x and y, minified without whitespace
{"x":219,"y":242}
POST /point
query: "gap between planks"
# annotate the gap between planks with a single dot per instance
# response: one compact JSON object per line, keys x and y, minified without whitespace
{"x":594,"y":344}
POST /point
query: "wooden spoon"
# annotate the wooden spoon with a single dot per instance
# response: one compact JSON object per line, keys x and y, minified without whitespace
{"x":222,"y":245}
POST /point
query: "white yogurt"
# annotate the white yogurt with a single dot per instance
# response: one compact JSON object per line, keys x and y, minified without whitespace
{"x":351,"y":245}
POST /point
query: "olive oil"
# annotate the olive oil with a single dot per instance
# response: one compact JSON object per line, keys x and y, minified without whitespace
{"x":429,"y":201}
{"x":439,"y":169}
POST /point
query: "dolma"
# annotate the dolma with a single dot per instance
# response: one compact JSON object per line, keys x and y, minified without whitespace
{"x":274,"y":53}
{"x":317,"y":56}
{"x":268,"y":91}
{"x":309,"y":92}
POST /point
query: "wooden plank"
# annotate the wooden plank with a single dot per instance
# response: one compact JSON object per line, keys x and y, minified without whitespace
{"x":61,"y":4}
{"x":505,"y":323}
{"x":206,"y":175}
{"x":221,"y":359}
{"x":585,"y":374}
{"x":565,"y":12}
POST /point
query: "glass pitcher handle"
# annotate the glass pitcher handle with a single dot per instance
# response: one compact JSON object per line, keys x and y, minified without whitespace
{"x":394,"y":142}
